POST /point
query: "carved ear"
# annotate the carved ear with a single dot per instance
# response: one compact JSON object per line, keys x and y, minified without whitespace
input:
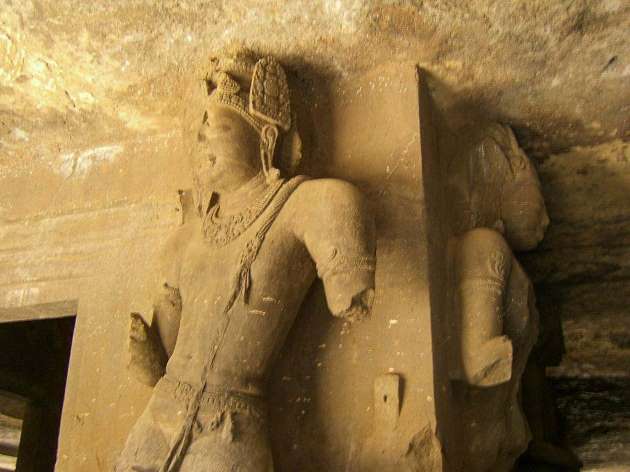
{"x":269,"y":94}
{"x":268,"y":139}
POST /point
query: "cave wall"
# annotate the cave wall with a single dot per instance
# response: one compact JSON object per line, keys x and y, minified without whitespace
{"x":581,"y":268}
{"x":582,"y":281}
{"x":93,"y":261}
{"x":75,"y":75}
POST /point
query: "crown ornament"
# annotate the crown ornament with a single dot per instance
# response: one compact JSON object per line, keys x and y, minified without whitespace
{"x":267,"y":102}
{"x":227,"y":92}
{"x":269,"y":93}
{"x":258,"y":90}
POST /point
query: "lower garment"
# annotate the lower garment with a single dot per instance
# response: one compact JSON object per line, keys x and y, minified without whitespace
{"x":229,"y":433}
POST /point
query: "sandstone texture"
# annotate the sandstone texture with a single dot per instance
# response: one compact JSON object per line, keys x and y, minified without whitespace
{"x":582,"y":266}
{"x":581,"y":272}
{"x":76,"y":74}
{"x":93,"y":101}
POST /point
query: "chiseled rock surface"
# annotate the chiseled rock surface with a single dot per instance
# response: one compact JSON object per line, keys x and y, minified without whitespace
{"x":598,"y":413}
{"x":582,"y":275}
{"x":582,"y":268}
{"x":76,"y":73}
{"x":91,"y":91}
{"x":9,"y":435}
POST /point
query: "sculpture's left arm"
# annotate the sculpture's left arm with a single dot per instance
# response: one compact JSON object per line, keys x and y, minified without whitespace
{"x":150,"y":346}
{"x":340,"y":236}
{"x":483,"y":264}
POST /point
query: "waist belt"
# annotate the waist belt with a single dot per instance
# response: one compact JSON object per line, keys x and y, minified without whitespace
{"x":215,"y":398}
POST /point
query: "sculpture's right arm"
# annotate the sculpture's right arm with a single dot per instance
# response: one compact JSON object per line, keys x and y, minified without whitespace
{"x":150,"y":346}
{"x":483,"y":264}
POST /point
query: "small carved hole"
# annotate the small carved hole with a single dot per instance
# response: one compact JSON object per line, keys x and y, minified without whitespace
{"x":384,"y":398}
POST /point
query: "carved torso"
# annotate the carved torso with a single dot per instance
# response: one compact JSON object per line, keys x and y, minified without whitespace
{"x":281,"y":274}
{"x":238,"y":301}
{"x":298,"y":244}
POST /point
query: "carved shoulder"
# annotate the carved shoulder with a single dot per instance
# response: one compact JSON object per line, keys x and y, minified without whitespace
{"x":483,"y":252}
{"x":322,"y":203}
{"x":484,"y":239}
{"x":331,"y":218}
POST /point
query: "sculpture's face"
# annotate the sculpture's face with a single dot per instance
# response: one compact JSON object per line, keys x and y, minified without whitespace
{"x":524,"y":214}
{"x":227,"y":150}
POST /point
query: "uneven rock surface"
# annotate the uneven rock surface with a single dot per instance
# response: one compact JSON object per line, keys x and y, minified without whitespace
{"x":582,"y":276}
{"x":76,"y":74}
{"x":597,"y":416}
{"x":91,"y":106}
{"x":582,"y":268}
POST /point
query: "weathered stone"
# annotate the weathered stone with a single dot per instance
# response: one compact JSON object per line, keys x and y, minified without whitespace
{"x":234,"y":278}
{"x":380,"y":135}
{"x":68,"y":66}
{"x":581,"y":275}
{"x":582,"y":268}
{"x":92,"y":102}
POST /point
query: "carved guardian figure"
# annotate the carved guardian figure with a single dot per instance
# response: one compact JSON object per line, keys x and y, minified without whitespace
{"x":499,"y":208}
{"x":234,"y":277}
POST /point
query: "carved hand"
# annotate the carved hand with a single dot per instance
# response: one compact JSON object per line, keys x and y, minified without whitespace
{"x":138,"y":331}
{"x":147,"y":358}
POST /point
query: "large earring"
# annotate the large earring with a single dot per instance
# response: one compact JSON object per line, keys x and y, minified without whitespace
{"x":268,"y":139}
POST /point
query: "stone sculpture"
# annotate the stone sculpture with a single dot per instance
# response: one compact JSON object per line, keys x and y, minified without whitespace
{"x":499,"y":207}
{"x":499,"y":326}
{"x":491,"y":290}
{"x":496,"y":185}
{"x":234,"y":278}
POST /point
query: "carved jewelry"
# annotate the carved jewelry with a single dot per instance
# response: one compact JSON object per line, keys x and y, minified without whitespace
{"x":220,"y":230}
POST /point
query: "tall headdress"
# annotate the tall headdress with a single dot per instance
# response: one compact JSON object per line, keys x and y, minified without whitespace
{"x":258,"y":90}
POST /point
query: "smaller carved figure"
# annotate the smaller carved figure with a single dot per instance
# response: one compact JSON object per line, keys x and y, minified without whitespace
{"x":499,"y":326}
{"x":507,"y":406}
{"x":496,"y":190}
{"x":499,"y":208}
{"x":488,"y":278}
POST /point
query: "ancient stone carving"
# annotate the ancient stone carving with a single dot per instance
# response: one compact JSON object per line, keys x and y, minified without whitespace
{"x":499,"y":326}
{"x":483,"y":266}
{"x":496,"y":185}
{"x":382,"y":450}
{"x":386,"y":402}
{"x":235,"y":276}
{"x":499,"y":207}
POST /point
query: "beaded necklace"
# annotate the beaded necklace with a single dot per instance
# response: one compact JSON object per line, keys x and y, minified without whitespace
{"x":220,"y":230}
